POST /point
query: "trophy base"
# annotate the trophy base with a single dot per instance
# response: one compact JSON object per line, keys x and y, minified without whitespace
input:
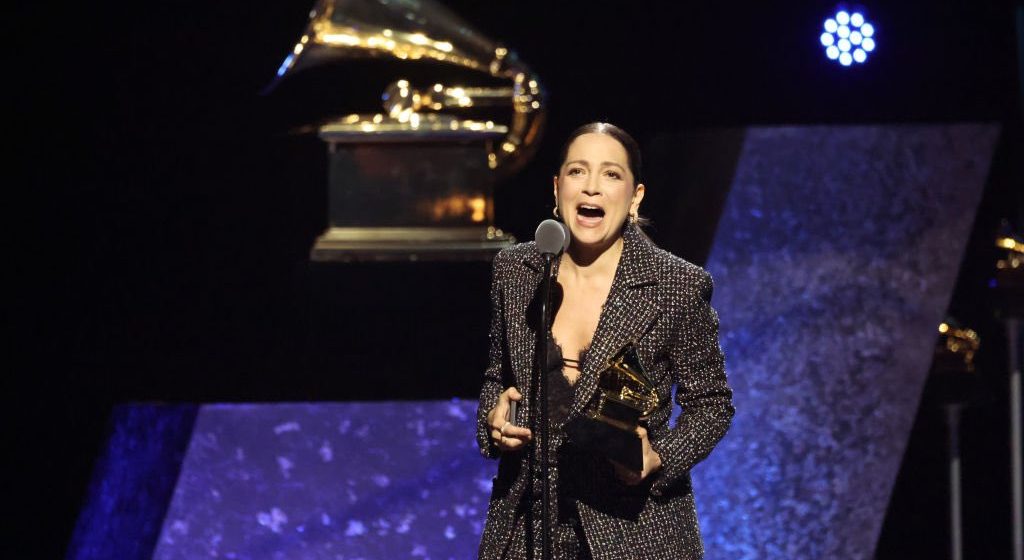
{"x":622,"y":446}
{"x":349,"y":244}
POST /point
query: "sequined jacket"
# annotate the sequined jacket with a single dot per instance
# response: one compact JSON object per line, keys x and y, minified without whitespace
{"x":661,"y":303}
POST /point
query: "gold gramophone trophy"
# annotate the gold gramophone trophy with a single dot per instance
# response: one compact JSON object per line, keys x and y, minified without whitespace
{"x":625,"y":398}
{"x":415,"y":181}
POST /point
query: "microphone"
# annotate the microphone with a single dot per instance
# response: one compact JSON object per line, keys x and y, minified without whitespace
{"x":552,"y":237}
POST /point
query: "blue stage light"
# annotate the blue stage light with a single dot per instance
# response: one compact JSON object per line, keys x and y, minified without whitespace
{"x":848,"y":38}
{"x":286,"y":64}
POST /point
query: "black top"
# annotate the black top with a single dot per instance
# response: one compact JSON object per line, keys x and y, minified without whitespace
{"x":568,"y":537}
{"x":560,"y":391}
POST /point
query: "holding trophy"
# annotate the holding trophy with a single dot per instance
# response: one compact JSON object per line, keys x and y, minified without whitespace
{"x":617,"y":293}
{"x":625,"y":397}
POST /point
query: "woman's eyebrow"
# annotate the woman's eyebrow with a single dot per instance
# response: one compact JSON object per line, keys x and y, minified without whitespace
{"x":586,"y":164}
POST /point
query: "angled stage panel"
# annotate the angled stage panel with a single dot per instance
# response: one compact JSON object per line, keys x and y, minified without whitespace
{"x":834,"y":261}
{"x":330,"y":480}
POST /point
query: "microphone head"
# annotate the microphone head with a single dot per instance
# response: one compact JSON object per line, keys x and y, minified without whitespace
{"x":568,"y":236}
{"x":551,"y":237}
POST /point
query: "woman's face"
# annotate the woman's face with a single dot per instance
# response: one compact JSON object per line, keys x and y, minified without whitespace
{"x":594,"y":190}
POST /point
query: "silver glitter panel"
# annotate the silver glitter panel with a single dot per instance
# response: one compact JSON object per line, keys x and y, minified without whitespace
{"x":833,"y":262}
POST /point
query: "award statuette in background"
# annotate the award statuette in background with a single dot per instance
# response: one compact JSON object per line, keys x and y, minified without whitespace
{"x":625,"y":397}
{"x":415,"y":180}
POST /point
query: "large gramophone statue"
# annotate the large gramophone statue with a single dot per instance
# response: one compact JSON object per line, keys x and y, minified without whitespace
{"x":415,"y":180}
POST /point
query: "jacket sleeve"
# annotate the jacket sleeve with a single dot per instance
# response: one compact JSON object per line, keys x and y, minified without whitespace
{"x":698,"y":368}
{"x":492,"y":383}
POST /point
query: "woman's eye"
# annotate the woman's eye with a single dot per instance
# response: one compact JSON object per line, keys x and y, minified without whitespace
{"x":613,"y":174}
{"x":575,"y":171}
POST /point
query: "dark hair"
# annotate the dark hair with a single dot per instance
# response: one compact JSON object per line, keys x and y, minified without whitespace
{"x":623,"y":138}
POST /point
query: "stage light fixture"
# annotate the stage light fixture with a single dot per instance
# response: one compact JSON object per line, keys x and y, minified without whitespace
{"x":848,"y":38}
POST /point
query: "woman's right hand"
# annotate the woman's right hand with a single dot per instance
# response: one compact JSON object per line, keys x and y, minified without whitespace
{"x":506,"y":435}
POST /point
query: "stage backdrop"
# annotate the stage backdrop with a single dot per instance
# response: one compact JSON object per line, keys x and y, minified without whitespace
{"x":834,"y":260}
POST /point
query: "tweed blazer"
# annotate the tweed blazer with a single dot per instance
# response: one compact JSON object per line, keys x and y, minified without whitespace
{"x":661,"y":303}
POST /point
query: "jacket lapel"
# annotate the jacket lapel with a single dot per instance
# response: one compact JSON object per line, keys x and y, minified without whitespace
{"x":627,"y":315}
{"x":522,"y":341}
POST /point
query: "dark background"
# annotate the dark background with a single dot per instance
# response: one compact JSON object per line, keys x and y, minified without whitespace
{"x":161,"y":215}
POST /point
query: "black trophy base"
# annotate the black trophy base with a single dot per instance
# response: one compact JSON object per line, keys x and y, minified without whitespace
{"x":622,"y":446}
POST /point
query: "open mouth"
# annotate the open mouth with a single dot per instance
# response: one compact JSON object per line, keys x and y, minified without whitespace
{"x":589,"y":211}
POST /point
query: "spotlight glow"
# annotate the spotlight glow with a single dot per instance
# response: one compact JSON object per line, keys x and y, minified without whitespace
{"x":848,"y":38}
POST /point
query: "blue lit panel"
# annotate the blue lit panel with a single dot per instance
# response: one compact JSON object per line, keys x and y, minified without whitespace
{"x":133,"y":481}
{"x":330,"y":480}
{"x":834,"y":261}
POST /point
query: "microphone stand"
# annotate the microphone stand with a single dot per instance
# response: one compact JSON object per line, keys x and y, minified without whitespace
{"x":541,"y":383}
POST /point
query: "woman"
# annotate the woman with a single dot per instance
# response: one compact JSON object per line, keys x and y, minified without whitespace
{"x":616,"y":287}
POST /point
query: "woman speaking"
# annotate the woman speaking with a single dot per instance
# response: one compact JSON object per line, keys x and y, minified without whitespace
{"x":615,"y":291}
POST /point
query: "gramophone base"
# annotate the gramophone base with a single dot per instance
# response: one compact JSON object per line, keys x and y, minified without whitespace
{"x":409,"y":244}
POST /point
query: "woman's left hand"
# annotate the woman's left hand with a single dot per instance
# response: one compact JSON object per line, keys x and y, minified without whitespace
{"x":652,"y":462}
